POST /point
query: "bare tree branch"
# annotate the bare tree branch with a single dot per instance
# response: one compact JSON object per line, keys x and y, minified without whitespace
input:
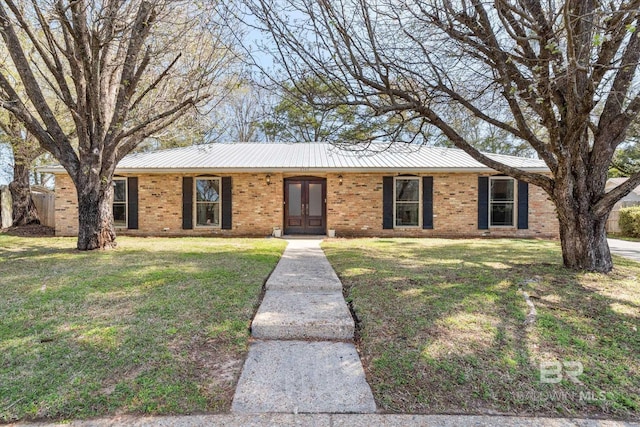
{"x":101,"y":68}
{"x":560,"y":76}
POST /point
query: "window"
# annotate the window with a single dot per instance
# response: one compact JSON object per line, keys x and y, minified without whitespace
{"x":407,"y":202}
{"x":207,"y":201}
{"x":120,"y":202}
{"x":501,"y":202}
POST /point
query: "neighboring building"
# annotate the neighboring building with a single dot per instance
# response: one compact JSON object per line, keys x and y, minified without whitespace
{"x":631,"y":199}
{"x":612,"y":183}
{"x":248,"y":189}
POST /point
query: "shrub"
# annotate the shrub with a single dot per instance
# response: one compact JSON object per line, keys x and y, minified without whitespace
{"x":630,"y":221}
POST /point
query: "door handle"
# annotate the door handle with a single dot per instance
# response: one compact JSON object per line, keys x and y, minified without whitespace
{"x":307,"y":211}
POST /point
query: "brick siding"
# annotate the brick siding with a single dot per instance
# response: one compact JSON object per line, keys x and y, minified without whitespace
{"x":354,"y":208}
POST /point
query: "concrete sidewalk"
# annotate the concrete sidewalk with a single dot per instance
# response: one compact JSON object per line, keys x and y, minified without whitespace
{"x":625,"y":248}
{"x":303,"y":359}
{"x":337,"y":420}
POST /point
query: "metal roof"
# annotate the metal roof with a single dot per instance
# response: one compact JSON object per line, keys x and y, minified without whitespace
{"x":308,"y":157}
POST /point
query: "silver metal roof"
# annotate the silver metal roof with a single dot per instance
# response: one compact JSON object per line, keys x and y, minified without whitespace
{"x":290,"y":157}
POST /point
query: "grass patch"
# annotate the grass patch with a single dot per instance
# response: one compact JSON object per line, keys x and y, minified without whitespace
{"x":442,"y":327}
{"x":157,"y":326}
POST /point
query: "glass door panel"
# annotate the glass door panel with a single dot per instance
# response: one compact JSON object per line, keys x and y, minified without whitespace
{"x":315,"y":199}
{"x":295,"y":199}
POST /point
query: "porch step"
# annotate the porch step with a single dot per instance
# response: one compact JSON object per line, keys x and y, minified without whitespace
{"x":303,"y":377}
{"x":303,"y":315}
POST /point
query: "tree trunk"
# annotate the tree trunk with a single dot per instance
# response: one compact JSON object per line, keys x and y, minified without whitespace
{"x":24,"y":210}
{"x":585,"y":247}
{"x":25,"y":151}
{"x":95,"y":216}
{"x":583,"y":236}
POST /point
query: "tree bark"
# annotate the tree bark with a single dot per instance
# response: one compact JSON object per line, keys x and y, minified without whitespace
{"x":25,"y":151}
{"x":585,"y":247}
{"x":24,"y":210}
{"x":583,"y":234}
{"x":95,"y":216}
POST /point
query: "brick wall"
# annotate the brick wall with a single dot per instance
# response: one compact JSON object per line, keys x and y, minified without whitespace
{"x":256,"y":208}
{"x":66,"y":207}
{"x":354,"y":208}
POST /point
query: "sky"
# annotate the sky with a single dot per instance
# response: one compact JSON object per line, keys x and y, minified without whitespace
{"x":6,"y":160}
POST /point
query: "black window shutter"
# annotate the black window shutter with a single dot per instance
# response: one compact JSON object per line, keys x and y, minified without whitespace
{"x":427,"y":202}
{"x":387,"y":202}
{"x":187,"y":203}
{"x":523,"y":205}
{"x":132,"y":200}
{"x":483,"y":202}
{"x":227,"y":212}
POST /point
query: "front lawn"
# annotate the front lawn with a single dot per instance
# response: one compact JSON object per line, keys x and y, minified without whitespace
{"x":442,"y":327}
{"x":157,"y":326}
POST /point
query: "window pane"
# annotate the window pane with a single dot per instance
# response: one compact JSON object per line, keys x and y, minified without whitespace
{"x":208,"y":214}
{"x":207,"y":190}
{"x":315,"y":199}
{"x":119,"y":215}
{"x":295,"y":199}
{"x":119,"y":190}
{"x":502,"y":189}
{"x":502,"y":214}
{"x":408,"y":190}
{"x":407,"y":214}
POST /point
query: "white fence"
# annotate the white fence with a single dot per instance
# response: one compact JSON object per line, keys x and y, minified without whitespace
{"x":6,"y":207}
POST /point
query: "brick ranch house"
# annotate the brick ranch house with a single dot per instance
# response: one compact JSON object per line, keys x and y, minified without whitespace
{"x":250,"y":189}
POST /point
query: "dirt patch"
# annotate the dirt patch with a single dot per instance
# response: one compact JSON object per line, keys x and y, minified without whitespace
{"x":32,"y":230}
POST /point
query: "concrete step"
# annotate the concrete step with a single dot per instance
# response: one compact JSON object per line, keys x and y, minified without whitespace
{"x":302,"y":377}
{"x":307,"y":270}
{"x":303,"y":315}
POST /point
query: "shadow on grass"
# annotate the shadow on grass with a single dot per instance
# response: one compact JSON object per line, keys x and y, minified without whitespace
{"x":443,"y":326}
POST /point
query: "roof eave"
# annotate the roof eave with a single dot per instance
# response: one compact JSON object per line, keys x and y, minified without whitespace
{"x":157,"y":171}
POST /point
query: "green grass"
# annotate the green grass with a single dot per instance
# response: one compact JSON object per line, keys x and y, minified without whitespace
{"x":156,"y":326}
{"x":442,"y":326}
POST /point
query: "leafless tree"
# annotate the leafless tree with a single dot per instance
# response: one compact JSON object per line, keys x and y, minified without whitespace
{"x":560,"y":75}
{"x":239,"y":117}
{"x":123,"y":70}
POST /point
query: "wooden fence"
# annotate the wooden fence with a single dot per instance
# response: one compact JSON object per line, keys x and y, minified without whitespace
{"x":613,"y":223}
{"x":45,"y":204}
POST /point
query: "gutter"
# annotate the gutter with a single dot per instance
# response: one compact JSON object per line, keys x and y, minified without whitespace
{"x":157,"y":171}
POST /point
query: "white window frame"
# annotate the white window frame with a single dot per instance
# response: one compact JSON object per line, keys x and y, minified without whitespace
{"x":515,"y":201}
{"x":126,"y":202}
{"x":419,"y":201}
{"x":195,"y":201}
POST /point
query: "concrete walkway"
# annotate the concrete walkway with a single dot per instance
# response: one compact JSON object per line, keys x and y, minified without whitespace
{"x":302,"y":358}
{"x":625,"y":248}
{"x":335,"y":420}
